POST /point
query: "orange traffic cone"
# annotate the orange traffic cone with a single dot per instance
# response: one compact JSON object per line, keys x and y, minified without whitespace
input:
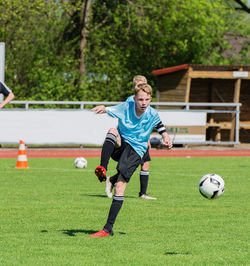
{"x":22,"y":157}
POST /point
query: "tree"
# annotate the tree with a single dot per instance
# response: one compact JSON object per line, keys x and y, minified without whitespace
{"x":38,"y":66}
{"x":139,"y":36}
{"x":85,"y":22}
{"x":90,"y":50}
{"x":242,"y":6}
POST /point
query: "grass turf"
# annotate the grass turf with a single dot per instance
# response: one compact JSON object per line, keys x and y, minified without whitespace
{"x":49,"y":210}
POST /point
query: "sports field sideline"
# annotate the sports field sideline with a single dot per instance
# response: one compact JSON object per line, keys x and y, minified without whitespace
{"x":176,"y":152}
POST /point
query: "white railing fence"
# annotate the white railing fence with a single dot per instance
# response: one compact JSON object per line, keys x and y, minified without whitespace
{"x":11,"y":117}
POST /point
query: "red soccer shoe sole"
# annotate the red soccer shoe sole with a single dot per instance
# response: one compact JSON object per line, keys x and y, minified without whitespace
{"x":100,"y":172}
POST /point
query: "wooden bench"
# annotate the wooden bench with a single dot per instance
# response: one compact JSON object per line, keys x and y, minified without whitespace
{"x":225,"y":125}
{"x":228,"y":125}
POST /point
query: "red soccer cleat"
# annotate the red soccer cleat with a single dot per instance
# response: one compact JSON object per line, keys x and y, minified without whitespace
{"x":100,"y":172}
{"x":101,"y":233}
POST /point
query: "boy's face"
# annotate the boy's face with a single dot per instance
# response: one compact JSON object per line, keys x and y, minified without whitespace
{"x":142,"y":101}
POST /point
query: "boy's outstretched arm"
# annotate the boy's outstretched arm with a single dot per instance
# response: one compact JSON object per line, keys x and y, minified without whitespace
{"x":100,"y":109}
{"x":166,"y":140}
{"x":9,"y":98}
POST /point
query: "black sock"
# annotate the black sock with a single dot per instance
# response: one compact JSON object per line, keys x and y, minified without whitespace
{"x":113,"y":179}
{"x":113,"y":212}
{"x":143,"y":182}
{"x":107,"y":149}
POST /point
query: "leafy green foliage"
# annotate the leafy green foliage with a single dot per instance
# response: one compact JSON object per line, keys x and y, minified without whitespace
{"x":36,"y":61}
{"x":125,"y":38}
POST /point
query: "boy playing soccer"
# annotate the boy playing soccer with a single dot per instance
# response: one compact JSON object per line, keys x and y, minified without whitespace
{"x":113,"y":139}
{"x":136,"y":120}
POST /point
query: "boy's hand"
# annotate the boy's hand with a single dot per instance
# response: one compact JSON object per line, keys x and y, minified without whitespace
{"x":166,"y":140}
{"x":100,"y":109}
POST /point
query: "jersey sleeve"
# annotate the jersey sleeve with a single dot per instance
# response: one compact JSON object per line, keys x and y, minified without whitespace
{"x":156,"y":120}
{"x":4,"y":89}
{"x":116,"y":111}
{"x":130,"y":99}
{"x":160,"y":128}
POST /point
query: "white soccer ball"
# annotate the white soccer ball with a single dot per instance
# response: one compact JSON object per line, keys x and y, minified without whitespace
{"x":80,"y":162}
{"x":211,"y":186}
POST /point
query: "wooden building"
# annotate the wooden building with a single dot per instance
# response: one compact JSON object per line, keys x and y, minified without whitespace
{"x":210,"y":83}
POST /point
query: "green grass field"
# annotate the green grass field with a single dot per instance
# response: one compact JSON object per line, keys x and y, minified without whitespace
{"x":49,"y":210}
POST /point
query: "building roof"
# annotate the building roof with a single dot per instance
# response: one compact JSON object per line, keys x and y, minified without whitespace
{"x":199,"y":67}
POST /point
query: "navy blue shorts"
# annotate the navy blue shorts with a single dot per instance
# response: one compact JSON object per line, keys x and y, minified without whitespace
{"x":146,"y":157}
{"x":128,"y":160}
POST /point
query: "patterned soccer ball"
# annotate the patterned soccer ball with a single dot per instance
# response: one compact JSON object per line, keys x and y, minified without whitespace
{"x":80,"y":162}
{"x":211,"y":186}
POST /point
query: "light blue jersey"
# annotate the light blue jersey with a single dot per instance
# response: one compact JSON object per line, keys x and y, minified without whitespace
{"x":130,"y":99}
{"x":133,"y":129}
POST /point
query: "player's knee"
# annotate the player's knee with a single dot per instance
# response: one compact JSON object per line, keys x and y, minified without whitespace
{"x":120,"y":186}
{"x":145,"y":166}
{"x":113,"y":131}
